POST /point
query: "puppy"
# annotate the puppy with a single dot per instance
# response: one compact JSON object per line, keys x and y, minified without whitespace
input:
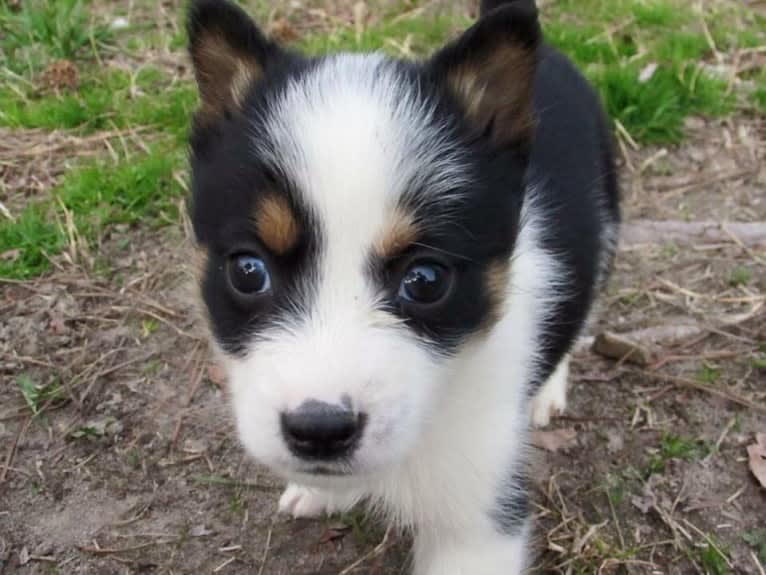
{"x":398,"y":259}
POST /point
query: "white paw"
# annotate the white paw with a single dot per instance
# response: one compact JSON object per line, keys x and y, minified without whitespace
{"x":300,"y":501}
{"x":546,"y":405}
{"x":308,"y":502}
{"x":551,"y":400}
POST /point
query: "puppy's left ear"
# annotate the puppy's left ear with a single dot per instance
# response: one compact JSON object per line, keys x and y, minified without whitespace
{"x":490,"y":69}
{"x":229,"y":54}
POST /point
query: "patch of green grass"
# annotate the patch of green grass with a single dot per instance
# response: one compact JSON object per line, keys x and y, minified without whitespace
{"x":236,"y":506}
{"x":152,"y":367}
{"x":614,"y":486}
{"x":28,"y":241}
{"x":148,"y":327}
{"x":97,"y":196}
{"x":613,"y":41}
{"x":759,"y":96}
{"x":740,"y":276}
{"x":656,"y":465}
{"x":675,"y":447}
{"x":713,"y":562}
{"x":57,"y":29}
{"x":708,"y":374}
{"x":653,"y":111}
{"x":407,"y":37}
{"x":363,"y":526}
{"x":37,"y":396}
{"x":759,"y":362}
{"x":104,"y":101}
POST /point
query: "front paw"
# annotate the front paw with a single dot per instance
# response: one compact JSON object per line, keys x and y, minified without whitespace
{"x":309,"y":502}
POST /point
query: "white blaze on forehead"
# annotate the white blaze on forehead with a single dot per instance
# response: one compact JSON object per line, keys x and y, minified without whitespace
{"x":354,"y":135}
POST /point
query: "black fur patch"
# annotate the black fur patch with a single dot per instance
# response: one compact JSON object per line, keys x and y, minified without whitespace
{"x":228,"y":181}
{"x":513,"y":508}
{"x":572,"y":163}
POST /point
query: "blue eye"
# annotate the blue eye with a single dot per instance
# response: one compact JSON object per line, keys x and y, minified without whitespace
{"x":249,"y":275}
{"x":425,"y":283}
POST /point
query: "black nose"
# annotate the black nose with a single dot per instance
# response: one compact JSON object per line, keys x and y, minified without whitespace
{"x":318,"y":430}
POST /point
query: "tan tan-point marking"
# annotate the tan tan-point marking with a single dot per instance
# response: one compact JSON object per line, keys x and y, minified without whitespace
{"x":276,"y":225}
{"x":496,"y":89}
{"x":224,"y":74}
{"x":496,"y":280}
{"x":399,"y":232}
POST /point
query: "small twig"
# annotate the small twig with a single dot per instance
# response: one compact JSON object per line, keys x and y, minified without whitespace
{"x":224,"y":564}
{"x":690,"y":383}
{"x":616,"y":521}
{"x":757,"y":563}
{"x":113,"y":550}
{"x":265,"y":552}
{"x":12,"y":450}
{"x":755,"y":257}
{"x":709,"y":541}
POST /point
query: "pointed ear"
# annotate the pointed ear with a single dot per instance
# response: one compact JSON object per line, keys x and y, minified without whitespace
{"x":490,"y":69}
{"x":228,"y":51}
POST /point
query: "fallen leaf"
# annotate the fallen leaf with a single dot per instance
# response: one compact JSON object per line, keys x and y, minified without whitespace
{"x":757,"y":456}
{"x":10,"y":255}
{"x":555,"y":439}
{"x":194,"y":446}
{"x":200,"y":531}
{"x":333,"y":534}
{"x":23,"y":556}
{"x":615,"y":346}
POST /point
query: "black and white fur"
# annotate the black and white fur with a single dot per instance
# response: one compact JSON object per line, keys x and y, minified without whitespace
{"x":506,"y":176}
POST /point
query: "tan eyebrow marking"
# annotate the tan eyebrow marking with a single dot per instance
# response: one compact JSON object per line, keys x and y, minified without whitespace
{"x":399,"y":232}
{"x":276,"y":225}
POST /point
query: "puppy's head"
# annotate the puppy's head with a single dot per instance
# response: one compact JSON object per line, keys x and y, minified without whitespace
{"x":357,"y":215}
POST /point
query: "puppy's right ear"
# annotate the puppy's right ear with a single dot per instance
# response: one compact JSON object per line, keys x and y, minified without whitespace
{"x":229,"y":54}
{"x":490,"y":70}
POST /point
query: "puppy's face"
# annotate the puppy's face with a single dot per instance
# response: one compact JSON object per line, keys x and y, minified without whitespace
{"x":357,"y":217}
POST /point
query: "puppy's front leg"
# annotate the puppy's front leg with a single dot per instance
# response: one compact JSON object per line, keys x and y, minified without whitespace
{"x":483,"y":553}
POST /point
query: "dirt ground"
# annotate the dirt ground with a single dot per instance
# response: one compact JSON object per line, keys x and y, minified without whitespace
{"x":132,"y":465}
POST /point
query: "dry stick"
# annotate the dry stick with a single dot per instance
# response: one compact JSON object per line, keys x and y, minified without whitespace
{"x":757,"y":563}
{"x":656,"y":232}
{"x":705,"y":180}
{"x":684,"y":382}
{"x":112,"y":551}
{"x":710,"y":542}
{"x":265,"y":552}
{"x":755,"y":257}
{"x":12,"y":451}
